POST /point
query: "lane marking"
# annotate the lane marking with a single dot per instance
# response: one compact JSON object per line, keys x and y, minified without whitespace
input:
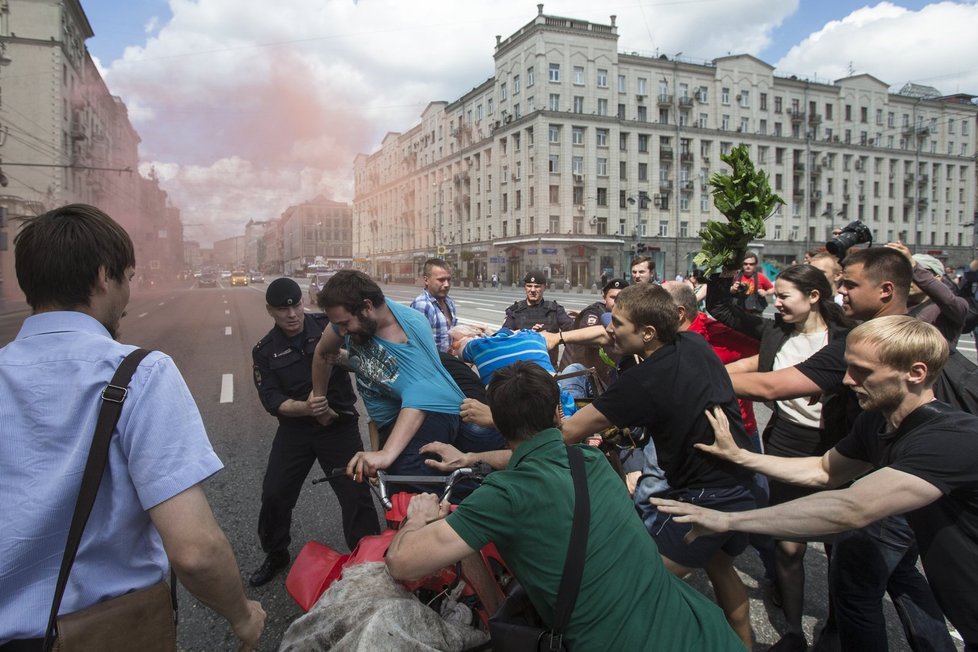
{"x":227,"y":312}
{"x":227,"y":388}
{"x":142,"y":315}
{"x":162,"y":303}
{"x":227,"y":330}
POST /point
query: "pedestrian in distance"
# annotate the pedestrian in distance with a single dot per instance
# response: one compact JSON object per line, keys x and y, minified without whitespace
{"x":310,"y":428}
{"x":435,"y":304}
{"x":75,"y":265}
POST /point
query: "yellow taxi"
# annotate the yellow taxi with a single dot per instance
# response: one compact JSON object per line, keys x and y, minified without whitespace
{"x":239,"y":277}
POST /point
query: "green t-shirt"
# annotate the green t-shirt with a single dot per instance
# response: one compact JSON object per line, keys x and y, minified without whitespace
{"x":628,"y":600}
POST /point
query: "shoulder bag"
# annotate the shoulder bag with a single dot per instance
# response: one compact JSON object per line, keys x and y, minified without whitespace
{"x":516,"y":626}
{"x":143,"y":620}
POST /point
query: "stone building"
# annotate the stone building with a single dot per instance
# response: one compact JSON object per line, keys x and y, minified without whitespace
{"x":574,"y":154}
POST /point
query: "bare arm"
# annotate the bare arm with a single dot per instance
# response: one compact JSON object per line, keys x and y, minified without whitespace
{"x":774,"y":385}
{"x":742,"y":366}
{"x":329,"y":344}
{"x":203,"y":560}
{"x":596,"y":335}
{"x":586,"y":421}
{"x":452,"y":458}
{"x":880,"y":494}
{"x":830,"y":470}
{"x":425,"y":542}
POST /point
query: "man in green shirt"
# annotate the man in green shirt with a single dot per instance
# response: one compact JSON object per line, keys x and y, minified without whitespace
{"x":627,"y":599}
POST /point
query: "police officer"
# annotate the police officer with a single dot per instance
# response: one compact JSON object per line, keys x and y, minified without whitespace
{"x":535,"y":313}
{"x":283,"y":377}
{"x":590,"y":355}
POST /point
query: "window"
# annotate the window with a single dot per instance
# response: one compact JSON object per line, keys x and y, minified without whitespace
{"x":777,"y":104}
{"x":663,"y":228}
{"x":554,"y":163}
{"x":529,"y":76}
{"x":863,"y":114}
{"x":724,"y":96}
{"x":516,"y":84}
{"x":744,"y":98}
{"x":578,"y":75}
{"x":643,"y":171}
{"x":643,"y":86}
{"x":554,"y":224}
{"x":554,"y":102}
{"x":489,"y":106}
{"x":879,"y":116}
{"x":578,"y":197}
{"x":643,"y":142}
{"x":554,"y":133}
{"x":554,"y":196}
{"x":602,"y":78}
{"x":602,"y":167}
{"x":554,"y":72}
{"x":602,"y":198}
{"x":763,"y":98}
{"x":643,"y":114}
{"x":828,"y":111}
{"x":704,"y":203}
{"x":684,"y":203}
{"x":701,"y":121}
{"x":744,"y":125}
{"x":602,"y":137}
{"x":502,"y":91}
{"x":964,"y":127}
{"x":621,"y":111}
{"x":725,"y":122}
{"x":531,"y":104}
{"x":623,"y":141}
{"x":703,"y":94}
{"x":848,"y":112}
{"x":762,"y":127}
{"x":578,"y":104}
{"x":478,"y":113}
{"x":602,"y":106}
{"x":622,"y":84}
{"x":516,"y":110}
{"x":505,"y":202}
{"x":577,"y":135}
{"x":622,"y":170}
{"x":577,"y":165}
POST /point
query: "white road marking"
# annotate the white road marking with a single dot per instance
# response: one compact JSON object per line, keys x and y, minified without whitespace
{"x":142,"y":315}
{"x":162,"y":303}
{"x":227,"y":312}
{"x":227,"y":330}
{"x":227,"y":388}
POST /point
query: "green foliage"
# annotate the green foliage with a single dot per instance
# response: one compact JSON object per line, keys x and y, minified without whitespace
{"x":745,"y":198}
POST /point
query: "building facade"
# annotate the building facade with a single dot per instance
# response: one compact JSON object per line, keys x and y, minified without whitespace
{"x":573,"y":155}
{"x":317,"y":231}
{"x":64,"y":138}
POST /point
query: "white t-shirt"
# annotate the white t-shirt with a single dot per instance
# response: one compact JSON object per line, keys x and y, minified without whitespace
{"x":798,"y":348}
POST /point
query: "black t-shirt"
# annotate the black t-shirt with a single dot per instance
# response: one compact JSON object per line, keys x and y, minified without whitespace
{"x":466,"y":379}
{"x":669,"y":393}
{"x":937,"y":444}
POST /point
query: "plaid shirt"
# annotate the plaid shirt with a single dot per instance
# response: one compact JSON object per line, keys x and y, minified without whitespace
{"x":428,"y":306}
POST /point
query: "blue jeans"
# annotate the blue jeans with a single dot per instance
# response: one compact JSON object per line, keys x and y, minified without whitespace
{"x":878,"y":558}
{"x":578,"y":386}
{"x":436,"y":426}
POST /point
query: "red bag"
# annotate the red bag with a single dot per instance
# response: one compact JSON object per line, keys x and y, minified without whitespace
{"x":316,"y":567}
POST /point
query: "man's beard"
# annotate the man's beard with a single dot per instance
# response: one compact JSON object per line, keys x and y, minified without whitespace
{"x":368,"y":328}
{"x":114,"y":328}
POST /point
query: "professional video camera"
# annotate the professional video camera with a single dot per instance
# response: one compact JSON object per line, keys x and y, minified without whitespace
{"x":854,"y":233}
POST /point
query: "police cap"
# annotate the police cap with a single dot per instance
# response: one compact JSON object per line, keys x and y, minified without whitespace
{"x":535,"y":276}
{"x":283,"y":292}
{"x":614,"y":284}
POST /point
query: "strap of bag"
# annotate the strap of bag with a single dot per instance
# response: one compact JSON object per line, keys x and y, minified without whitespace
{"x":113,"y":397}
{"x":570,"y":581}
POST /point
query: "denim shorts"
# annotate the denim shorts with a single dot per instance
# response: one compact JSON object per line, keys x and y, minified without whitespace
{"x":669,"y":535}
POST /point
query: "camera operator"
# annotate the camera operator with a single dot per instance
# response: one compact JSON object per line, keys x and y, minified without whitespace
{"x":751,"y":286}
{"x":930,"y":299}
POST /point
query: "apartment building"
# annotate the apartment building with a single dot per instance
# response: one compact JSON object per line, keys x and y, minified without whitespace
{"x":320,"y":230}
{"x":64,"y":138}
{"x":574,"y":155}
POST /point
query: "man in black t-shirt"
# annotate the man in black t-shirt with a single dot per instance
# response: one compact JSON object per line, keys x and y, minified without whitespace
{"x":925,"y":456}
{"x":679,"y":378}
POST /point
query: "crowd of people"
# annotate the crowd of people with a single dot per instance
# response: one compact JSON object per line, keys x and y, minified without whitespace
{"x":862,"y":451}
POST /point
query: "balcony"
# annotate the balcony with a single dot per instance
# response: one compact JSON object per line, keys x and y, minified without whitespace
{"x":815,"y":119}
{"x":685,"y":101}
{"x":665,"y":99}
{"x":798,"y":193}
{"x":799,"y":166}
{"x":665,"y":154}
{"x":797,"y":116}
{"x":686,"y":184}
{"x":686,"y":157}
{"x":665,"y":185}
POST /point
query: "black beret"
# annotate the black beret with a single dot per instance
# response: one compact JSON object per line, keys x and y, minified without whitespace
{"x":535,"y":276}
{"x":614,"y":284}
{"x":283,"y":292}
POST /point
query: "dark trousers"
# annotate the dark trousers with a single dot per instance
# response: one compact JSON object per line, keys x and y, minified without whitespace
{"x":436,"y":426}
{"x":292,"y":455}
{"x":881,"y":558}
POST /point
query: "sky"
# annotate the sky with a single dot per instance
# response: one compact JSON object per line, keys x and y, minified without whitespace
{"x":244,"y":110}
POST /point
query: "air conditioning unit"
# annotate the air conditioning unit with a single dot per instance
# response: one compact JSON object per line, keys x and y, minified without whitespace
{"x":835,"y":139}
{"x":640,"y":97}
{"x":698,"y":95}
{"x":515,"y":178}
{"x":496,"y":124}
{"x":578,"y":178}
{"x":508,"y":119}
{"x":593,"y":221}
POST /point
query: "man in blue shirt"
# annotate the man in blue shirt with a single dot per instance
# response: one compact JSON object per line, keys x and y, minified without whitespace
{"x":435,"y":304}
{"x":74,"y":265}
{"x":407,"y":391}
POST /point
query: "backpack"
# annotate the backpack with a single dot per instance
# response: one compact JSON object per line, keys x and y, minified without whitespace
{"x":958,"y":383}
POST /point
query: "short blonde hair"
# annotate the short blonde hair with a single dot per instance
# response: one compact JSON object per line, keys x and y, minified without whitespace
{"x":901,"y":341}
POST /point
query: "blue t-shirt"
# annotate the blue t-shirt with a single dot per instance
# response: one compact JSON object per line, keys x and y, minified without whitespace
{"x":493,"y":352}
{"x":51,"y":377}
{"x":392,"y":375}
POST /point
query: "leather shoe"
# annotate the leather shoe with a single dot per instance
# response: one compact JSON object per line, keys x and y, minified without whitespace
{"x":275,"y":562}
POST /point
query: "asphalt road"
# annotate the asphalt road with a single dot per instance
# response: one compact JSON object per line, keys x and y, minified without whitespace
{"x":210,"y":332}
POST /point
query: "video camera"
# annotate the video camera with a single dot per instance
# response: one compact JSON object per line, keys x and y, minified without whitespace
{"x":854,"y":233}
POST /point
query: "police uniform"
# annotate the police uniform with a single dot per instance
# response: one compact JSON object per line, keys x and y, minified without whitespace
{"x":283,"y":370}
{"x":549,"y":313}
{"x":589,"y":355}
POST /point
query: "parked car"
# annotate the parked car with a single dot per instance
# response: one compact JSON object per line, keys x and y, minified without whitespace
{"x":256,"y":277}
{"x":316,"y":283}
{"x":239,"y":277}
{"x":207,"y":280}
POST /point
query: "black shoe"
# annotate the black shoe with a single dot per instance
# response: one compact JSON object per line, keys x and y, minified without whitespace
{"x":275,"y":562}
{"x":790,"y":642}
{"x":827,"y":639}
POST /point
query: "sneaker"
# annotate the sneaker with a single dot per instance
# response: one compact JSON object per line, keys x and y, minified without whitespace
{"x":275,"y":562}
{"x":790,"y":642}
